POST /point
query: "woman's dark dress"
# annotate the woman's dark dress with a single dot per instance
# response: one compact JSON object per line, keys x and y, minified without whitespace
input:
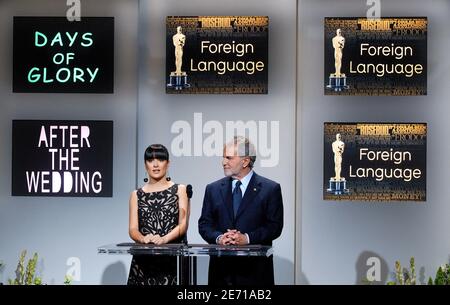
{"x":157,"y":214}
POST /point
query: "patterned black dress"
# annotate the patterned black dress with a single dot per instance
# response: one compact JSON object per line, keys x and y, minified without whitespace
{"x":157,"y":214}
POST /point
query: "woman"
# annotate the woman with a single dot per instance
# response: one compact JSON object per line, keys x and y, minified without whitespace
{"x":159,"y":215}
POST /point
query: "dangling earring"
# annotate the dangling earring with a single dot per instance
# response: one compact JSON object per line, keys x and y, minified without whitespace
{"x":146,"y":179}
{"x":168,"y":177}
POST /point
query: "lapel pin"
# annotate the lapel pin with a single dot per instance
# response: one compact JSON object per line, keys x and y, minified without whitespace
{"x":254,"y":189}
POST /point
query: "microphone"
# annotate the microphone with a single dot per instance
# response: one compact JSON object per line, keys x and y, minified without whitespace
{"x":189,"y":191}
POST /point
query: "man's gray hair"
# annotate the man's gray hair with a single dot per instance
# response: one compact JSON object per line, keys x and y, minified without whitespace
{"x":244,"y":148}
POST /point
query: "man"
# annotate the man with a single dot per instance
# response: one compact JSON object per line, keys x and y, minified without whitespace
{"x":338,"y":45}
{"x":338,"y":150}
{"x":179,"y":40}
{"x":242,"y":208}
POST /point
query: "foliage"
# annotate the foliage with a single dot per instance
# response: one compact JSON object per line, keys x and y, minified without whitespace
{"x":67,"y":280}
{"x":26,"y":276}
{"x":404,"y":276}
{"x":1,"y":265}
{"x":408,"y":277}
{"x":366,"y":281}
{"x":442,"y":275}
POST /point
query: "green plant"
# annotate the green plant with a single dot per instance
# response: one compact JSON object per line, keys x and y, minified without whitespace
{"x":403,"y":276}
{"x":67,"y":280}
{"x":412,"y":266}
{"x":26,"y":276}
{"x":442,"y":275}
{"x":1,"y":266}
{"x":366,"y":281}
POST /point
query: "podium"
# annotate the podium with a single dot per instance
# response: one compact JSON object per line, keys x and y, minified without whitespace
{"x":187,"y":254}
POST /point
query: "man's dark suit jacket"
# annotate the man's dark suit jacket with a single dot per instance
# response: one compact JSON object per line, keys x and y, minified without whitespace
{"x":260,"y":215}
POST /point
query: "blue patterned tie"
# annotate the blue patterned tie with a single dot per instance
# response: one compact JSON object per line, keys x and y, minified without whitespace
{"x":237,"y":197}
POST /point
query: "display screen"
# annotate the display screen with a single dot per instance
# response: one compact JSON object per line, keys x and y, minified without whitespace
{"x":217,"y":54}
{"x":53,"y":55}
{"x":386,"y":56}
{"x":375,"y":161}
{"x":62,"y":158}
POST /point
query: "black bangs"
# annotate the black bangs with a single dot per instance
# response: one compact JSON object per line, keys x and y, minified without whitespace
{"x":156,"y":151}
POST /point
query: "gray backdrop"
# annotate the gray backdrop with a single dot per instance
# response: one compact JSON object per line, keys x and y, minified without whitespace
{"x":337,"y":237}
{"x":322,"y":242}
{"x":157,"y":111}
{"x":60,"y":228}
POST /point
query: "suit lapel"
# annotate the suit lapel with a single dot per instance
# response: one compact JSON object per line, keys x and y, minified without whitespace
{"x":225,"y":190}
{"x":252,"y":190}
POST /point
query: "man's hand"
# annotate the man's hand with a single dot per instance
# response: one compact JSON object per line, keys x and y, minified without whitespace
{"x":239,"y":239}
{"x":233,"y":237}
{"x":226,"y":237}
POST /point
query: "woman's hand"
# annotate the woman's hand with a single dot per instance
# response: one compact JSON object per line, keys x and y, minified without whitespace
{"x":158,"y":240}
{"x":147,"y":239}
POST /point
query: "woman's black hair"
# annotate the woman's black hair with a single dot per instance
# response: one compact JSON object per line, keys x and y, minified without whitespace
{"x":156,"y":151}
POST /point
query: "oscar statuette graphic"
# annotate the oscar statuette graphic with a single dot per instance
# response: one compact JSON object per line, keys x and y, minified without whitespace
{"x":178,"y":79}
{"x":338,"y":81}
{"x":338,"y":184}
